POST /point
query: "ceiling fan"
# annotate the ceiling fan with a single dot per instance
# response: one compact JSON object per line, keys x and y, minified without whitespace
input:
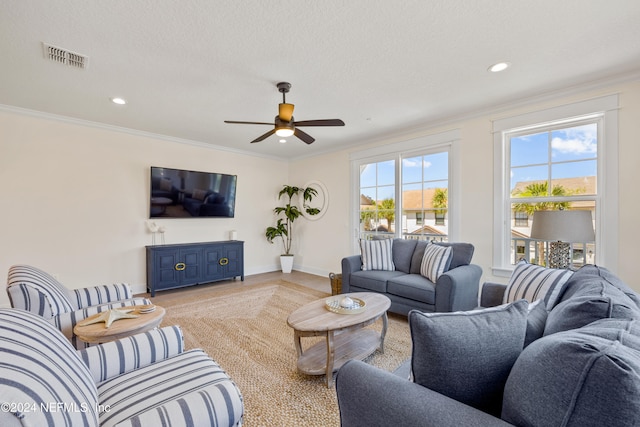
{"x":284,"y":125}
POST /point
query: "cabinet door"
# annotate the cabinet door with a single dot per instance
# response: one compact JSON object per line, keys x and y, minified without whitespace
{"x":166,"y":274}
{"x":175,"y":267}
{"x":235,"y":261}
{"x":212,"y":268}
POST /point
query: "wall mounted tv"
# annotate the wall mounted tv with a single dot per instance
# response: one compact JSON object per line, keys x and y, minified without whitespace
{"x":177,"y":193}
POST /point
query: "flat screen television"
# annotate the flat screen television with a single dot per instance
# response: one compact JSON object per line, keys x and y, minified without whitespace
{"x":177,"y":193}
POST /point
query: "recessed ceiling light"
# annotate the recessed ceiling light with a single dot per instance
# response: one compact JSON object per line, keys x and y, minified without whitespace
{"x":500,"y":66}
{"x":282,"y":141}
{"x":118,"y":101}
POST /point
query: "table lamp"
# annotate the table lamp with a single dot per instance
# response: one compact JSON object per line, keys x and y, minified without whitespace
{"x":561,"y":228}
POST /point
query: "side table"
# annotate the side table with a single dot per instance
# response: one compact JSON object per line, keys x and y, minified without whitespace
{"x":96,"y":333}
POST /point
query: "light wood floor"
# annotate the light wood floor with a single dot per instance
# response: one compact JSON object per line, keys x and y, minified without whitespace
{"x":312,"y":281}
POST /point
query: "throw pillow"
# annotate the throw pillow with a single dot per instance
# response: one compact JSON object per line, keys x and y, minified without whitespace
{"x":435,"y":261}
{"x":536,"y":320}
{"x":582,"y":377}
{"x":533,"y":282}
{"x":467,"y":355}
{"x":377,"y":254}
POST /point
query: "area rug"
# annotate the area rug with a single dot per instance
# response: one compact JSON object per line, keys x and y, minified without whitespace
{"x":245,"y":330}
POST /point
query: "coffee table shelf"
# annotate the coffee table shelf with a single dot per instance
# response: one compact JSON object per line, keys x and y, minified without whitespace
{"x":356,"y":345}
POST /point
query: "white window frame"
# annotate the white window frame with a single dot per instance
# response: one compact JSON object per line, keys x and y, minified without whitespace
{"x":607,"y":180}
{"x":448,"y":140}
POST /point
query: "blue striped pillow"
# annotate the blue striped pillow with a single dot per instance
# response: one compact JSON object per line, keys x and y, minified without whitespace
{"x":377,"y":254}
{"x":435,"y":261}
{"x":533,"y":282}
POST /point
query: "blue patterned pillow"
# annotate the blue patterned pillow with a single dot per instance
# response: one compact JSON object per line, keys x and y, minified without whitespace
{"x":533,"y":282}
{"x":435,"y":261}
{"x":377,"y":254}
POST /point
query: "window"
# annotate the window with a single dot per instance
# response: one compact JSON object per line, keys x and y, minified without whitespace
{"x":520,"y":218}
{"x":404,"y":192}
{"x":555,"y":159}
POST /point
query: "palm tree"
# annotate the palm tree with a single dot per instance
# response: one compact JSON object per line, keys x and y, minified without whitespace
{"x":440,"y":201}
{"x":387,"y":211}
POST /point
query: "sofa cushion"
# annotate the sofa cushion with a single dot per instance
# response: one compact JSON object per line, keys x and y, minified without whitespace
{"x":416,"y":258}
{"x":38,"y":367}
{"x":414,"y":287}
{"x":588,"y":376}
{"x":436,"y":260}
{"x":533,"y":282}
{"x":462,"y":253}
{"x":402,"y":252}
{"x":377,"y":254}
{"x":583,"y":308}
{"x":467,"y":355}
{"x":375,"y":281}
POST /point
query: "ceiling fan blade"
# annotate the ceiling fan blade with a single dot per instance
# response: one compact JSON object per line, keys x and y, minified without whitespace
{"x":304,"y":136}
{"x":327,"y":122}
{"x":285,"y":112}
{"x":265,"y":136}
{"x":248,"y":123}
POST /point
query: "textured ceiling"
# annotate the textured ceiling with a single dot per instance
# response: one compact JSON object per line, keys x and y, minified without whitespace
{"x":381,"y":66}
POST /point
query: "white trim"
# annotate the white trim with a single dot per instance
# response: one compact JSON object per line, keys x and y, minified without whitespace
{"x":134,"y":132}
{"x":607,"y":213}
{"x":406,"y":146}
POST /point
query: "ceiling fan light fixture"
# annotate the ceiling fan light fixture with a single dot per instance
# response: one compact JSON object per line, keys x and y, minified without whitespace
{"x":284,"y":132}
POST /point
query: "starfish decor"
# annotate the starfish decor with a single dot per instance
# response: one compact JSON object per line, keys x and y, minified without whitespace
{"x":110,"y":316}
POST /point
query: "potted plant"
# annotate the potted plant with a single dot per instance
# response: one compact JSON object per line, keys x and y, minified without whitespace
{"x":287,"y":215}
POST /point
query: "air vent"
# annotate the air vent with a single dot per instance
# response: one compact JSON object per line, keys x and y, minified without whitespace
{"x":64,"y":56}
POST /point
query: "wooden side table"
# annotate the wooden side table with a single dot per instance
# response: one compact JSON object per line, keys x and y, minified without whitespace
{"x":96,"y":333}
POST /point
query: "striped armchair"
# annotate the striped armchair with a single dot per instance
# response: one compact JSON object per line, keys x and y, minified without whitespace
{"x":34,"y":290}
{"x":144,"y":380}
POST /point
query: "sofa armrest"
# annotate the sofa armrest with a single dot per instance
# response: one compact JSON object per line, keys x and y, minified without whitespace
{"x":491,"y":294}
{"x":350,"y":265}
{"x":370,"y":397}
{"x":94,"y":295}
{"x":457,"y":289}
{"x":115,"y":358}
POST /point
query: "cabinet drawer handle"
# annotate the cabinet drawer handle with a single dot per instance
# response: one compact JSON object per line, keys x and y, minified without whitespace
{"x":180,"y":266}
{"x":223,"y":261}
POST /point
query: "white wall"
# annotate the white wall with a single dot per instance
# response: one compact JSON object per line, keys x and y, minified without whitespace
{"x":75,"y":200}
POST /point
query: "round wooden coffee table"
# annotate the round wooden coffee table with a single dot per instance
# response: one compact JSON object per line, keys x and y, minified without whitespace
{"x":95,"y":333}
{"x":345,"y":335}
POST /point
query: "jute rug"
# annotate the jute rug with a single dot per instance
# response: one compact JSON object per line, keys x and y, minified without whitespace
{"x":245,"y":330}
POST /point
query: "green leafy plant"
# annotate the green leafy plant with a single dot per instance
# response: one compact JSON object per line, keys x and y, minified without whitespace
{"x":288,"y":214}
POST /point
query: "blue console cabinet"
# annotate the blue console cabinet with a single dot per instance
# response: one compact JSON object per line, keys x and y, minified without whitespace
{"x":186,"y":264}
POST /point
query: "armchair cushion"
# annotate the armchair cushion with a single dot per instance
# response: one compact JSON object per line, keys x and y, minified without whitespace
{"x":533,"y":282}
{"x":115,"y":358}
{"x":377,"y":254}
{"x":39,"y":366}
{"x":150,"y":392}
{"x":467,"y":355}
